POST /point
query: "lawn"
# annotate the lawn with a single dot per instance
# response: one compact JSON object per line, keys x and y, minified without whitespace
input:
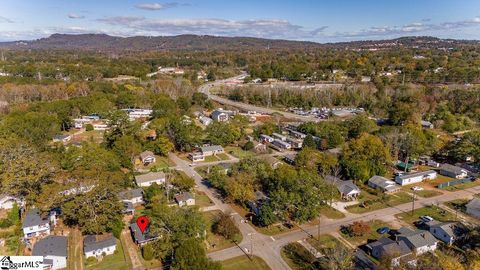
{"x":115,"y":261}
{"x":159,"y":164}
{"x":273,"y":229}
{"x":12,"y":242}
{"x":463,"y":186}
{"x":238,"y":152}
{"x":331,"y":212}
{"x":427,"y":193}
{"x":325,"y":241}
{"x":435,"y":212}
{"x":374,"y":202}
{"x":374,"y":226}
{"x":244,"y":263}
{"x":95,"y":135}
{"x":457,"y":204}
{"x":214,"y":241}
{"x":202,"y":200}
{"x":293,"y":260}
{"x":223,"y":157}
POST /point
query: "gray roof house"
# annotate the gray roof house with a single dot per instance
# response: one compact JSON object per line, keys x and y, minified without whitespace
{"x":184,"y":199}
{"x":448,"y":232}
{"x":139,"y":237}
{"x":211,"y":150}
{"x":398,"y":250}
{"x":453,"y":171}
{"x":133,"y":195}
{"x":473,"y":207}
{"x":419,"y":241}
{"x":219,"y":115}
{"x":148,"y":179}
{"x":348,"y":190}
{"x":33,"y":218}
{"x":147,"y":157}
{"x":53,"y":249}
{"x":96,"y":245}
{"x":382,"y":183}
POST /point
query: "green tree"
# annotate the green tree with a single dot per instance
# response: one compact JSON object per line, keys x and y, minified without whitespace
{"x":309,"y":142}
{"x":161,"y":146}
{"x":222,"y":133}
{"x":147,"y":252}
{"x":248,"y":146}
{"x":190,"y":255}
{"x":267,"y":216}
{"x":226,"y":227}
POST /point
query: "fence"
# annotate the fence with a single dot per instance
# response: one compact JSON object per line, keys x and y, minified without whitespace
{"x":454,"y":183}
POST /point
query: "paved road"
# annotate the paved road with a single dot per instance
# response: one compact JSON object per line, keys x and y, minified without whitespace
{"x":261,"y":243}
{"x":205,"y":88}
{"x":329,"y":226}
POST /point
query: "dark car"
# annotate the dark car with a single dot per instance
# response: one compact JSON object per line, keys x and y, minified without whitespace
{"x":383,"y":230}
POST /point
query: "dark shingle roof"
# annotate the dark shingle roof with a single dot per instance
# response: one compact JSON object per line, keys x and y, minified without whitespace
{"x":94,"y":242}
{"x":33,"y":218}
{"x":183,"y":197}
{"x":130,"y":194}
{"x":417,"y":238}
{"x":52,"y":245}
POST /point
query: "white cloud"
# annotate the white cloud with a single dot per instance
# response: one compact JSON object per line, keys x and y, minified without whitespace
{"x":156,"y":6}
{"x":5,"y":20}
{"x":75,"y":16}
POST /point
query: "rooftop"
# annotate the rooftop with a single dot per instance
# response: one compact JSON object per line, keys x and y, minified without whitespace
{"x":415,"y":174}
{"x":452,"y":168}
{"x":152,"y":176}
{"x":146,"y":154}
{"x":52,"y":245}
{"x":130,"y":194}
{"x":182,"y":197}
{"x":33,"y":218}
{"x":211,"y":148}
{"x":474,"y":204}
{"x":94,"y":242}
{"x":418,"y":238}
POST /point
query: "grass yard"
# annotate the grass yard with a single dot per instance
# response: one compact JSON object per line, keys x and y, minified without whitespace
{"x":375,"y":202}
{"x":223,"y":157}
{"x":458,"y":204}
{"x":374,"y":226}
{"x":95,"y":135}
{"x":435,"y":212}
{"x":273,"y":229}
{"x":440,"y":180}
{"x":159,"y":164}
{"x":202,"y":200}
{"x":331,"y":212}
{"x":12,"y":242}
{"x":463,"y":186}
{"x":325,"y":241}
{"x":214,"y":241}
{"x":293,"y":260}
{"x":238,"y":152}
{"x":202,"y":171}
{"x":115,"y":261}
{"x":427,"y":193}
{"x":244,"y":263}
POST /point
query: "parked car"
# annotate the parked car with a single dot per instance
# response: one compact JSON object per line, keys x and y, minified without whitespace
{"x":417,"y":188}
{"x":426,"y":218}
{"x":383,"y":230}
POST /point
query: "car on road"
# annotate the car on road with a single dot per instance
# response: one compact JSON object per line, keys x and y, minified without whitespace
{"x":417,"y":188}
{"x":383,"y":230}
{"x":426,"y":218}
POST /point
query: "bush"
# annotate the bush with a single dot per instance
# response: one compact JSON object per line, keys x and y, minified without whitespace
{"x":88,"y":127}
{"x":91,"y":260}
{"x":301,"y":257}
{"x":147,"y":252}
{"x":226,"y":228}
{"x":357,"y":228}
{"x":248,"y":146}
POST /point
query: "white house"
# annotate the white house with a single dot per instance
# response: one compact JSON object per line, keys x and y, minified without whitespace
{"x":419,"y":241}
{"x":196,"y":156}
{"x":184,"y":199}
{"x":205,"y":120}
{"x":279,"y":136}
{"x":53,"y":249}
{"x":382,"y":183}
{"x":34,"y":225}
{"x":147,"y":157}
{"x":473,"y":207}
{"x":146,"y":180}
{"x":212,"y":150}
{"x":447,"y":232}
{"x":281,"y":144}
{"x":347,"y":189}
{"x":453,"y":171}
{"x":416,"y":177}
{"x":99,"y":245}
{"x":133,"y":196}
{"x":138,"y":113}
{"x":426,"y":124}
{"x":220,"y":116}
{"x":7,"y":201}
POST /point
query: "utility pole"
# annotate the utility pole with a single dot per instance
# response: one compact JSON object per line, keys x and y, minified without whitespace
{"x":251,"y":243}
{"x":413,"y":201}
{"x":319,"y":220}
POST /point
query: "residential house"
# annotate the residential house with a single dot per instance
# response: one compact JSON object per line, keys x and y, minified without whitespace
{"x":266,"y":138}
{"x":397,"y":250}
{"x":205,"y":120}
{"x":448,"y":232}
{"x":219,"y":116}
{"x":279,"y":137}
{"x":295,"y":143}
{"x":147,"y":157}
{"x":184,"y":199}
{"x":416,"y":177}
{"x":146,"y":180}
{"x":419,"y":241}
{"x":453,"y":171}
{"x":256,"y":205}
{"x":134,"y":196}
{"x":128,"y":208}
{"x":348,"y":190}
{"x":281,"y":144}
{"x":138,"y":113}
{"x":226,"y":167}
{"x":212,"y":150}
{"x":35,"y":225}
{"x":296,"y":134}
{"x":473,"y":207}
{"x":383,"y":184}
{"x":99,"y":245}
{"x":196,"y":156}
{"x":141,"y":238}
{"x":53,"y":249}
{"x":63,"y":138}
{"x":290,"y":159}
{"x":259,"y":147}
{"x":7,"y":201}
{"x":272,"y":161}
{"x":426,"y":124}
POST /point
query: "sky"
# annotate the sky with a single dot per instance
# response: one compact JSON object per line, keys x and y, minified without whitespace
{"x":320,"y":21}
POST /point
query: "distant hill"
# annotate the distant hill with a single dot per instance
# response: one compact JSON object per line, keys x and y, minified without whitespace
{"x":103,"y":42}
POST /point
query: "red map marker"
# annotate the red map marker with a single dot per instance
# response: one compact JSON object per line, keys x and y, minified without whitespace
{"x":142,"y":223}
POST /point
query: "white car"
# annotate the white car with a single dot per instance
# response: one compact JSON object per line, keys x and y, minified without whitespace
{"x":426,"y":218}
{"x":416,"y":188}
